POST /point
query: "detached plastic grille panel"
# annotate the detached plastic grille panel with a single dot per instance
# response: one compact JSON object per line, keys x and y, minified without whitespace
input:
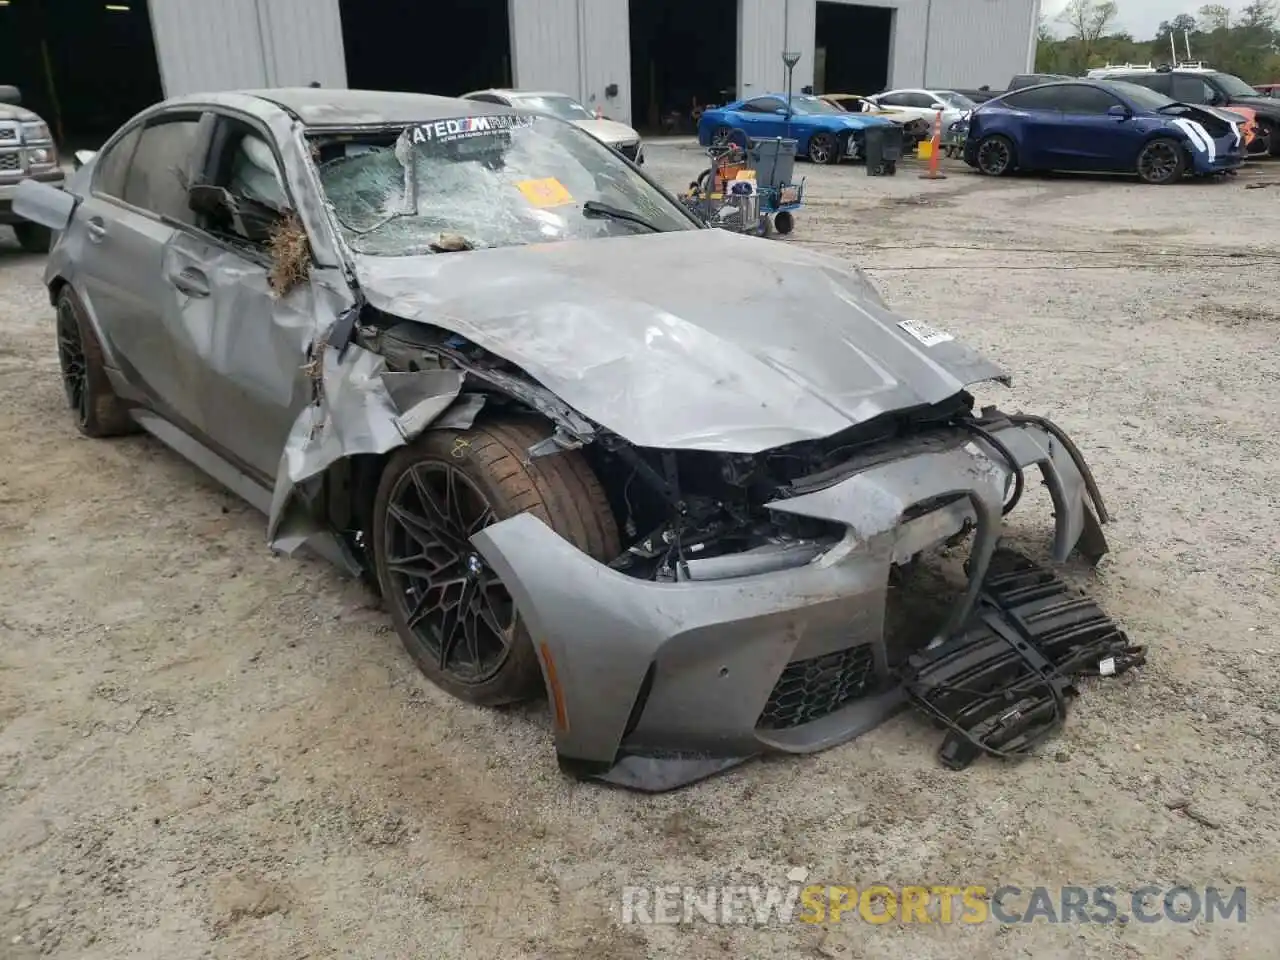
{"x":811,"y":689}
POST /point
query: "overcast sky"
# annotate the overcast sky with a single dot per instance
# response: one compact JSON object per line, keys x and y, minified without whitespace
{"x":1139,"y":17}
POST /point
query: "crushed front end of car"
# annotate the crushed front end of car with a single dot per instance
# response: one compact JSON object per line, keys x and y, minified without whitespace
{"x":773,"y":450}
{"x":753,"y":620}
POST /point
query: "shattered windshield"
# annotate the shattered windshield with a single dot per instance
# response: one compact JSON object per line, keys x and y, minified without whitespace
{"x":486,"y":181}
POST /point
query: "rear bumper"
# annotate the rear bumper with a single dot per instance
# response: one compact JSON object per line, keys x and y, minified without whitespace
{"x":655,"y":685}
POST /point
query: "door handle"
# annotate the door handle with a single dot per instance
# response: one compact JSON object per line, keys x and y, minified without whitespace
{"x":97,"y":229}
{"x":191,"y":281}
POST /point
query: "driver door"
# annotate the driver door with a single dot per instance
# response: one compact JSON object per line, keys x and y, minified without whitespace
{"x":247,"y":344}
{"x":761,"y":120}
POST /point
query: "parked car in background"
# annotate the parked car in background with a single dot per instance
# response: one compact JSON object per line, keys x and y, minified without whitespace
{"x":1102,"y":126}
{"x":823,"y":132}
{"x":914,"y":129}
{"x":925,"y":104}
{"x":26,"y":150}
{"x":621,"y":137}
{"x":1205,"y":86}
{"x":1269,"y":90}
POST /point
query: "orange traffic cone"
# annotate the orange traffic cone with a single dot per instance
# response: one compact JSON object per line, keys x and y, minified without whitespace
{"x":935,"y":149}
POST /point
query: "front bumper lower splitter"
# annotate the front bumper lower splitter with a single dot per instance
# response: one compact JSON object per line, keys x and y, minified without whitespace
{"x":1000,"y":685}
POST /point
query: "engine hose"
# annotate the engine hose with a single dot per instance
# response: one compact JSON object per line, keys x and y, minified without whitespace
{"x":1076,"y":456}
{"x":1019,"y":481}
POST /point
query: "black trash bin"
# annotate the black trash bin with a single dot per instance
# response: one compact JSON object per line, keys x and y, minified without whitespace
{"x":882,"y":146}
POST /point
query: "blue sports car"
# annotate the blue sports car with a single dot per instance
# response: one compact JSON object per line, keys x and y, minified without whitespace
{"x":1101,"y":125}
{"x":823,"y":132}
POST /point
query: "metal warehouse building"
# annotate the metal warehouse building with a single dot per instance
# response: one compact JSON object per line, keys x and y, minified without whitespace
{"x":645,"y":61}
{"x":629,"y":56}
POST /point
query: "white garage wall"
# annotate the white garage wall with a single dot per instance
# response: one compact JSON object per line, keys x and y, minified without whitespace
{"x":304,"y":42}
{"x":578,"y":47}
{"x":606,"y":32}
{"x":764,"y":27}
{"x":970,"y":42}
{"x":238,"y":44}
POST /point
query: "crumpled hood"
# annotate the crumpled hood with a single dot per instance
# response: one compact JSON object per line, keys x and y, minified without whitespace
{"x":699,"y":339}
{"x":609,"y":131}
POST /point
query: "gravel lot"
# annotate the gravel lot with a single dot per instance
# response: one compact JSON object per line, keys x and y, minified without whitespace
{"x":206,"y":751}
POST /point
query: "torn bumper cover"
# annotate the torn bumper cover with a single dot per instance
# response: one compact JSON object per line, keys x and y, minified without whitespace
{"x":361,"y":408}
{"x":655,"y":685}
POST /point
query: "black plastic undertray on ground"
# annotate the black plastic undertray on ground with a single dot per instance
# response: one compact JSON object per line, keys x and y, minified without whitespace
{"x":1001,"y":685}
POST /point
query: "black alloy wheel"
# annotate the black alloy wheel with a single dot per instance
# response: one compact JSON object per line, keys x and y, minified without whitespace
{"x":824,"y":148}
{"x":455,"y":607}
{"x":1161,"y":161}
{"x":995,"y":156}
{"x":75,"y":376}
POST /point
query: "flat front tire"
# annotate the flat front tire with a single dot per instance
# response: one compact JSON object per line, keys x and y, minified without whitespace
{"x":452,"y":612}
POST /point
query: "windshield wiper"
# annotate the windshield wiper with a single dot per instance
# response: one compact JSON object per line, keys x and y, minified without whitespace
{"x":594,"y":208}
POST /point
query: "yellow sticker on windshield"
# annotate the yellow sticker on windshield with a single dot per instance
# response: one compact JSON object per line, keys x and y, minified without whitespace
{"x":549,"y":192}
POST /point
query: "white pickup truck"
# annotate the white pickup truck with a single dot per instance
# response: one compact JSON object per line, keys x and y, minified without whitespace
{"x":27,"y":151}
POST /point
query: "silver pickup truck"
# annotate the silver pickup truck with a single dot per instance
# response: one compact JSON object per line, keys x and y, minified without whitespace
{"x":27,"y":151}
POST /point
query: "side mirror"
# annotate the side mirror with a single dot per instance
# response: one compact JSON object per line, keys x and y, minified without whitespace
{"x":44,"y":204}
{"x":82,"y":157}
{"x":1119,"y":111}
{"x":781,"y":111}
{"x":10,"y":95}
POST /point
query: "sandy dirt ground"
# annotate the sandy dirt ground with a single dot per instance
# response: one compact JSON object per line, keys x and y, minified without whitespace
{"x":207,"y":751}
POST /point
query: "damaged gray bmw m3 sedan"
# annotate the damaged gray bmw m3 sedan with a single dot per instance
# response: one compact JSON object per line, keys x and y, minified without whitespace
{"x":479,"y":358}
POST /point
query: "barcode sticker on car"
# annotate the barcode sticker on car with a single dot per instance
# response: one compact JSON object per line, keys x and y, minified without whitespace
{"x":924,"y":333}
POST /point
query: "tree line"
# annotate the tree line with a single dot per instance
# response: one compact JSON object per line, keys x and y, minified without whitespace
{"x":1244,"y":42}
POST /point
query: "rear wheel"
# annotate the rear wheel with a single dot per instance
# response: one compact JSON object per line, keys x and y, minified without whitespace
{"x":995,"y":156}
{"x":99,"y":412}
{"x":452,"y":612}
{"x":1161,"y":161}
{"x":824,"y":148}
{"x":33,"y":237}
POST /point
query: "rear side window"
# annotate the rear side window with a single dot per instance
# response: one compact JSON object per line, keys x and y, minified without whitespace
{"x":1159,"y":82}
{"x":921,"y":100}
{"x":157,"y":179}
{"x":1078,"y":98}
{"x":113,"y":165}
{"x":1036,"y":98}
{"x":1191,"y":89}
{"x":764,"y":105}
